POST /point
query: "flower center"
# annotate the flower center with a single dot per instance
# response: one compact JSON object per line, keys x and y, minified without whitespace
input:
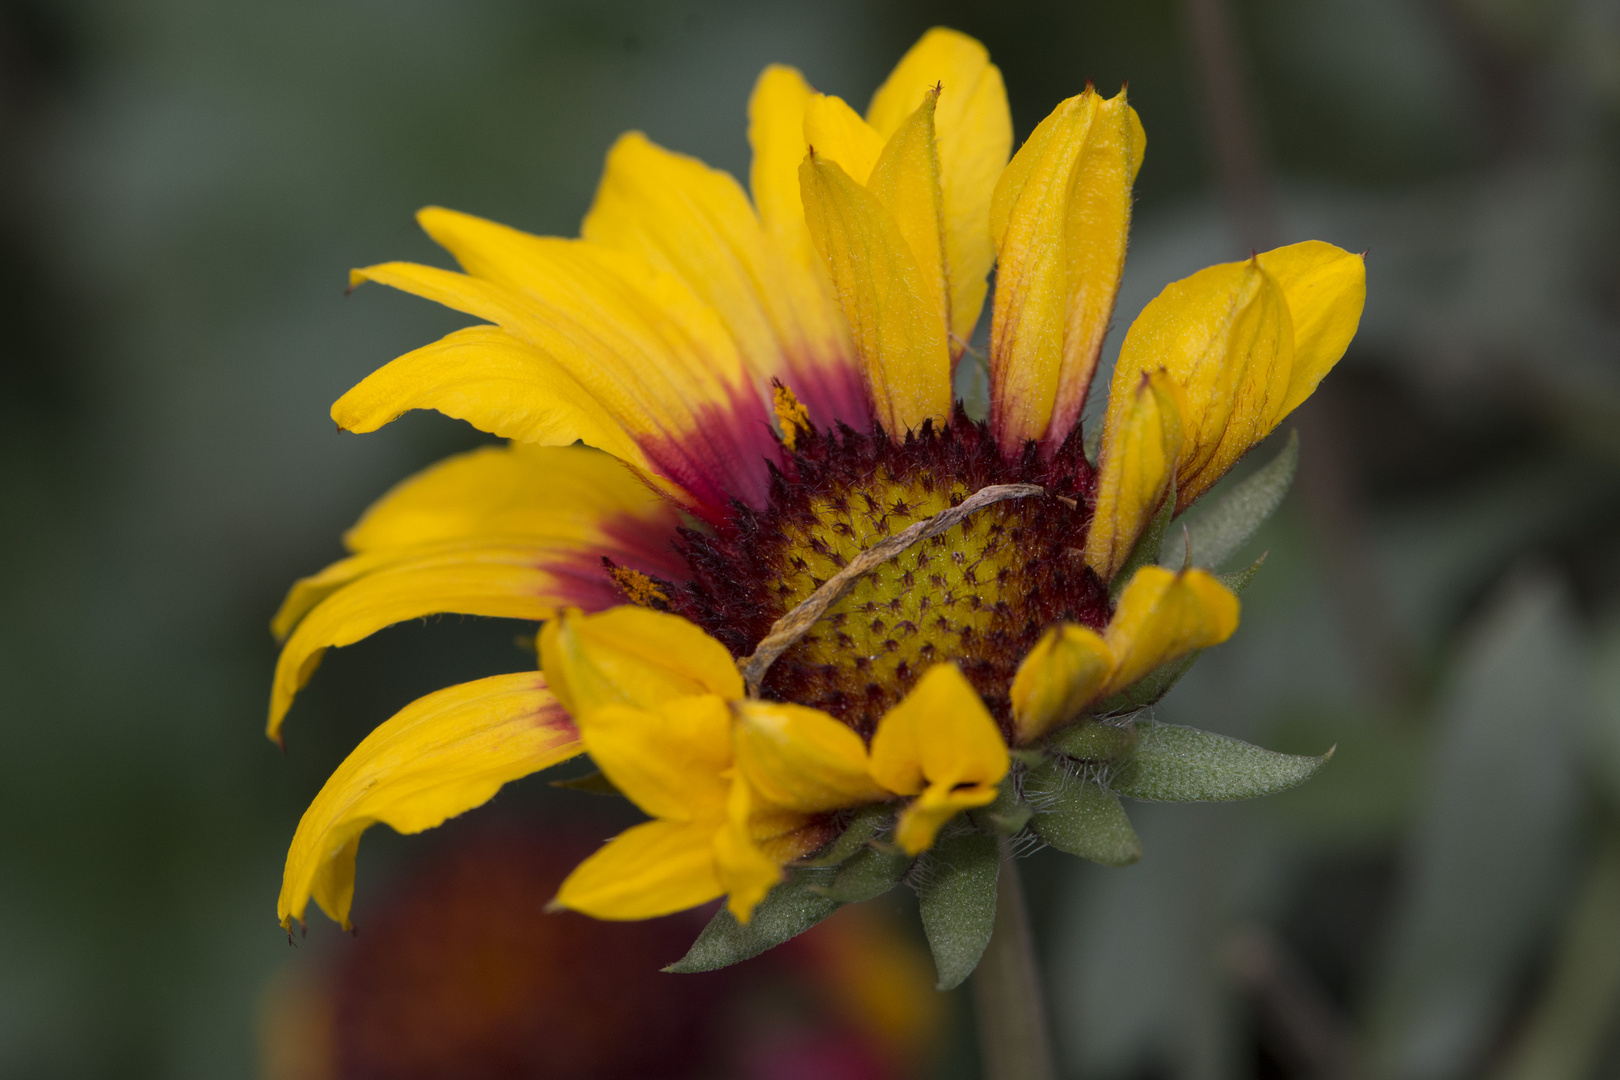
{"x":979,"y":594}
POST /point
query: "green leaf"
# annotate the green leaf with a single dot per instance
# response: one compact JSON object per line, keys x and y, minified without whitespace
{"x":1093,"y":740}
{"x":1147,"y":690}
{"x":1221,"y":531}
{"x":1007,"y":816}
{"x":958,"y":901}
{"x":1181,"y":764}
{"x":787,"y":911}
{"x":1081,"y":817}
{"x":869,"y":873}
{"x":866,"y":824}
{"x":1147,"y":546}
{"x":592,"y":783}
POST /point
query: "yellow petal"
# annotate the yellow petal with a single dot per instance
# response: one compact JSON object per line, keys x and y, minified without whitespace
{"x":652,"y":869}
{"x":1142,"y":438}
{"x":776,"y":133}
{"x":640,"y":342}
{"x":906,"y":181}
{"x":801,"y":758}
{"x":498,"y":384}
{"x":695,"y":223}
{"x":1163,"y":615}
{"x":1224,"y":334}
{"x":745,"y":871}
{"x":919,"y":823}
{"x":558,"y":494}
{"x":896,"y":325}
{"x":1326,"y":289}
{"x":837,"y":133}
{"x":974,"y":129}
{"x":668,"y":759}
{"x":633,"y":656}
{"x":438,"y":757}
{"x":1060,"y":217}
{"x":1061,"y":675}
{"x":940,"y":743}
{"x":504,"y":581}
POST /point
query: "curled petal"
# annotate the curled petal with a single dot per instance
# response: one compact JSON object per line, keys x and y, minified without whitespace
{"x":1326,"y":288}
{"x":836,"y":132}
{"x":941,"y":744}
{"x":1163,"y":615}
{"x":1061,"y":675}
{"x":974,"y":131}
{"x":896,"y":322}
{"x":632,"y":656}
{"x":438,"y":757}
{"x":801,"y":758}
{"x":1142,"y":440}
{"x":906,"y":180}
{"x":668,"y":759}
{"x":1060,"y":218}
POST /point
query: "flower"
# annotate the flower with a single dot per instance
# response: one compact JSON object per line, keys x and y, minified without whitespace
{"x":758,"y":630}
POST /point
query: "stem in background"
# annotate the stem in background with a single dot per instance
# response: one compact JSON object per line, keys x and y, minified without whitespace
{"x":1013,"y":1039}
{"x":1327,"y":489}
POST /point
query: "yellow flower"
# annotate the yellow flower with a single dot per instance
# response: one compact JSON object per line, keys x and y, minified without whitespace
{"x":913,"y":594}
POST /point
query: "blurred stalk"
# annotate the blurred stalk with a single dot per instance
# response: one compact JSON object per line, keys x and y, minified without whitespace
{"x":1013,"y":1039}
{"x":1326,"y":485}
{"x":1571,"y":1024}
{"x":1318,"y":1039}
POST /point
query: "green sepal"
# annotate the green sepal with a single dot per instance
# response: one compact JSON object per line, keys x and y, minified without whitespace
{"x":866,"y":824}
{"x":1146,"y":551}
{"x":869,"y":873}
{"x":787,"y":911}
{"x":593,"y":783}
{"x":1093,"y":740}
{"x":957,"y":898}
{"x":1007,"y":816}
{"x":1080,"y":816}
{"x":1218,"y":533}
{"x":1147,"y":690}
{"x":1181,"y":764}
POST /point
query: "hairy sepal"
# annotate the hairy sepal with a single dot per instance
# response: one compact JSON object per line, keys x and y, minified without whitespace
{"x":957,"y":898}
{"x":787,"y":911}
{"x":1182,"y":764}
{"x":1216,"y":534}
{"x":1079,"y":816}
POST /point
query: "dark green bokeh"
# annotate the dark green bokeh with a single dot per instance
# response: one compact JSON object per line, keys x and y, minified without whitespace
{"x":185,"y":185}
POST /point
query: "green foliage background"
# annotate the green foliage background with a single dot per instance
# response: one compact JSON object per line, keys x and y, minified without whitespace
{"x":185,"y":184}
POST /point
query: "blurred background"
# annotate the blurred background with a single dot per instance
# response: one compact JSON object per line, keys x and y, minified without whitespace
{"x":183,"y":187}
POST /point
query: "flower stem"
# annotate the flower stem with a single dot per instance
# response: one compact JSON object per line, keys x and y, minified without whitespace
{"x":1013,"y":1039}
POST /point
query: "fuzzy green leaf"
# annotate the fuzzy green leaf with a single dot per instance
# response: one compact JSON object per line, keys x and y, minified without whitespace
{"x":1180,"y":764}
{"x":1081,"y":817}
{"x":787,"y":911}
{"x":957,"y":897}
{"x":870,"y":872}
{"x":1221,"y":531}
{"x":866,"y":824}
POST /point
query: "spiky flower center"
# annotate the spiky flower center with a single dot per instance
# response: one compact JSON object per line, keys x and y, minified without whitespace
{"x":979,"y":594}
